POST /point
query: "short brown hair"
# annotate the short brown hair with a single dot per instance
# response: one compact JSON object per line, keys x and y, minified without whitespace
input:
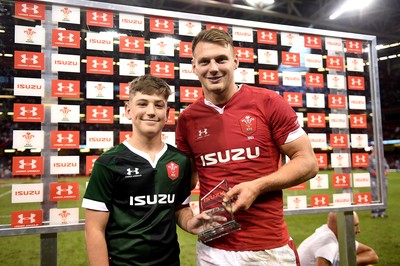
{"x":212,"y":35}
{"x":149,"y":85}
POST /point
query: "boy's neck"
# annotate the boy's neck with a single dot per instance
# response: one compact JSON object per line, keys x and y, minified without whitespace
{"x":151,"y":146}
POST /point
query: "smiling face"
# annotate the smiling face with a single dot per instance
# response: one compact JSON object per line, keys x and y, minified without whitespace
{"x":214,"y":64}
{"x":148,"y":113}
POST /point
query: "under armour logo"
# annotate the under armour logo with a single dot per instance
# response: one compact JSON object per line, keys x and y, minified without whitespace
{"x":95,"y":64}
{"x":161,"y":22}
{"x":312,"y":40}
{"x":96,"y":113}
{"x":189,"y":92}
{"x":62,"y":37}
{"x":131,"y":172}
{"x":30,"y":218}
{"x":164,"y":68}
{"x":292,"y":98}
{"x":25,"y":59}
{"x":334,"y":61}
{"x":268,"y":76}
{"x":291,"y":57}
{"x":340,"y":179}
{"x":316,"y":119}
{"x":23,"y":164}
{"x":63,"y":87}
{"x":246,"y":53}
{"x":203,"y":132}
{"x":102,"y":16}
{"x":134,"y":44}
{"x":265,"y":35}
{"x":69,"y":138}
{"x":61,"y":190}
{"x":319,"y":201}
{"x":32,"y":111}
{"x":29,"y":7}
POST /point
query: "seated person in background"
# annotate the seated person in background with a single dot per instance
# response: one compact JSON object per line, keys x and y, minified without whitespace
{"x":322,"y":247}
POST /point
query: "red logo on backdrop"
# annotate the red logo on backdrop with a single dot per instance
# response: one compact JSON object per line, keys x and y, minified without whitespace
{"x":295,"y":99}
{"x":90,"y":159}
{"x":161,"y":25}
{"x":336,"y":101}
{"x":245,"y":55}
{"x":124,"y":135}
{"x":358,"y":121}
{"x":312,"y":41}
{"x":360,"y":159}
{"x":216,"y":26}
{"x":66,"y":38}
{"x":26,"y":218}
{"x":185,"y":49}
{"x":65,"y":88}
{"x":99,"y":65}
{"x":100,"y":114}
{"x":290,"y":59}
{"x":269,"y":77}
{"x":314,"y":80}
{"x":319,"y":200}
{"x":302,"y":186}
{"x":322,"y":160}
{"x":316,"y":120}
{"x":356,"y":83}
{"x":28,"y":60}
{"x":334,"y":62}
{"x":162,"y":69}
{"x":248,"y":124}
{"x":131,"y":44}
{"x":99,"y":18}
{"x":339,"y":141}
{"x":64,"y":139}
{"x":190,"y":94}
{"x":353,"y":46}
{"x":171,"y":117}
{"x":64,"y":191}
{"x":267,"y":37}
{"x":25,"y":112}
{"x":123,"y":91}
{"x":27,"y":165}
{"x":172,"y":170}
{"x":29,"y":10}
{"x":362,"y":198}
{"x":341,"y":180}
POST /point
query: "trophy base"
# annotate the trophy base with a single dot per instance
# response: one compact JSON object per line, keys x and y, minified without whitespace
{"x":219,"y":231}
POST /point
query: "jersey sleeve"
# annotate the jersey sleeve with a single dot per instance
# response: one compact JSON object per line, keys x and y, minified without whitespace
{"x":181,"y":134}
{"x":98,"y":193}
{"x":184,"y":185}
{"x":283,"y":120}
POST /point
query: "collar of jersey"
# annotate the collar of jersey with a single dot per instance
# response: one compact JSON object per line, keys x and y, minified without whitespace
{"x":220,"y":110}
{"x":145,"y":155}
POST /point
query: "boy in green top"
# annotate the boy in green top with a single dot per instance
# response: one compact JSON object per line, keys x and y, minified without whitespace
{"x":140,"y":189}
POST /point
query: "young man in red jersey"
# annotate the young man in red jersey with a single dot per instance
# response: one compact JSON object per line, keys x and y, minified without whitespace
{"x":238,"y":133}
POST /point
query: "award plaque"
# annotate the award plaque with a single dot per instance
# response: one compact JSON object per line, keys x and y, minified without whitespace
{"x":213,"y":205}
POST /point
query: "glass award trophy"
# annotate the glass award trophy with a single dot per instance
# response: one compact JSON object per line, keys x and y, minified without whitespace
{"x":213,"y":205}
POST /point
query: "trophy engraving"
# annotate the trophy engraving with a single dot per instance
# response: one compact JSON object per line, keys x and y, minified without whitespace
{"x":213,"y":205}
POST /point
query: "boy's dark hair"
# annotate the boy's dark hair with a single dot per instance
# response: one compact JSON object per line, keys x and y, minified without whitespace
{"x":214,"y":36}
{"x":149,"y":85}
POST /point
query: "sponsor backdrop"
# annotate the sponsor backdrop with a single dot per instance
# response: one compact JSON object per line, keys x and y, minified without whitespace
{"x":77,"y":62}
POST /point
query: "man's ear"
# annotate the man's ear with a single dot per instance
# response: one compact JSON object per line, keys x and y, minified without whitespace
{"x":236,"y":60}
{"x":194,"y":67}
{"x":167,"y":113}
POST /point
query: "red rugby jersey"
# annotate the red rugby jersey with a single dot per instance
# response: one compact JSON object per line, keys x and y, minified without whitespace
{"x":240,"y":142}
